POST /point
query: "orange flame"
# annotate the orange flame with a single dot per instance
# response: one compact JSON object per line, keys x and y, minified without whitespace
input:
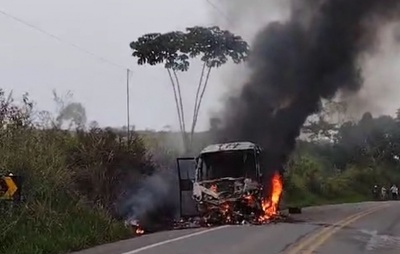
{"x":270,"y":206}
{"x":139,"y":231}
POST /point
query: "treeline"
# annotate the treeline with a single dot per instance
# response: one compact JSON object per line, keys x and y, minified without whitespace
{"x":334,"y":160}
{"x":342,"y":162}
{"x":71,"y":182}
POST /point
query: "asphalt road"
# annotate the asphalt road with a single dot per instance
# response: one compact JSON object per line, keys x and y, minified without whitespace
{"x":371,"y":227}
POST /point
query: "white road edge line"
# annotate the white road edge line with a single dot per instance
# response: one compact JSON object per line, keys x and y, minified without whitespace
{"x":174,"y":240}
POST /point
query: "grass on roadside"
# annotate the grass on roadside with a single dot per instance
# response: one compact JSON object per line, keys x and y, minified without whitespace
{"x":70,"y":182}
{"x":59,"y":227}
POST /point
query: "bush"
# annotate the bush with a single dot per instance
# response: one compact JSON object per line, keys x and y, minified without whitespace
{"x":308,"y":182}
{"x":71,"y":182}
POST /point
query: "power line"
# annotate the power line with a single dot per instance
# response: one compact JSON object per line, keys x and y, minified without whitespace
{"x":38,"y":29}
{"x":217,"y":9}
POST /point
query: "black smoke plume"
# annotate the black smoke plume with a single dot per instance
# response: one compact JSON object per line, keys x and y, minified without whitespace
{"x":294,"y":64}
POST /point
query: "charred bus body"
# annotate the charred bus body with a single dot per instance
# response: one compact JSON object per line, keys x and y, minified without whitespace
{"x":227,"y":183}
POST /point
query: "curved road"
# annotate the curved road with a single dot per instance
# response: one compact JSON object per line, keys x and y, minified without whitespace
{"x":370,"y":227}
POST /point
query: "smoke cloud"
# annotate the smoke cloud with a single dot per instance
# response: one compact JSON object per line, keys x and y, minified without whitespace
{"x":295,"y":63}
{"x":244,"y":18}
{"x":379,"y":94}
{"x":153,"y":202}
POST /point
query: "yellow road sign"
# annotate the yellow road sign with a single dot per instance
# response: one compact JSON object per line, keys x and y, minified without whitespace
{"x":10,"y":186}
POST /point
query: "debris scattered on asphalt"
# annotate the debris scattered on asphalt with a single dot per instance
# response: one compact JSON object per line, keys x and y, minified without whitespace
{"x":201,"y":222}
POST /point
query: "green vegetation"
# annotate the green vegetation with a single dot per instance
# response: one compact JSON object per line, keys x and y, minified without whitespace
{"x":344,"y":160}
{"x":71,"y":180}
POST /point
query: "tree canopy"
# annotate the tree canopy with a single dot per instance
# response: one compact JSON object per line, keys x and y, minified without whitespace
{"x":174,"y":49}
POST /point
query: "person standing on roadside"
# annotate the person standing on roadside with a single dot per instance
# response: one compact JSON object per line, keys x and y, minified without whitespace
{"x":395,"y":192}
{"x":383,"y":193}
{"x":375,"y":192}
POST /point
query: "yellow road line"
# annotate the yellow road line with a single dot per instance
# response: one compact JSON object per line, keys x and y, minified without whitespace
{"x":323,"y":238}
{"x":302,"y":245}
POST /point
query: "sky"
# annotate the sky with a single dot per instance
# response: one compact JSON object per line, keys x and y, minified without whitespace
{"x":34,"y":62}
{"x":95,"y":72}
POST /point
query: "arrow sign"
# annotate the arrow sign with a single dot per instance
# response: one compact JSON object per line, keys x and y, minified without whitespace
{"x":8,"y":186}
{"x":12,"y":187}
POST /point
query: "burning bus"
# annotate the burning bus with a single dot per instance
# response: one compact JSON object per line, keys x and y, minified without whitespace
{"x":225,"y":185}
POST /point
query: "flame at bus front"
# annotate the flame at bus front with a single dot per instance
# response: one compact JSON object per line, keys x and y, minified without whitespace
{"x":270,"y":204}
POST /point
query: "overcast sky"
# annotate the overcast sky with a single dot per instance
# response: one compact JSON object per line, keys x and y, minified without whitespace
{"x":35,"y":63}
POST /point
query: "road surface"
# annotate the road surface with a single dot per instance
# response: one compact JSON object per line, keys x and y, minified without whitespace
{"x":370,"y":227}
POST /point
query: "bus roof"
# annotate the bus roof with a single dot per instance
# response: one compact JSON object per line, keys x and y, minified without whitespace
{"x":234,"y":146}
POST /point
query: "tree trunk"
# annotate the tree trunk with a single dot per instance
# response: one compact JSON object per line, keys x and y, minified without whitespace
{"x":178,"y":109}
{"x":199,"y":103}
{"x":184,"y":136}
{"x":195,"y":104}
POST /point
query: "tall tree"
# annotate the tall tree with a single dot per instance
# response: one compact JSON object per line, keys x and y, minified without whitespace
{"x":326,"y":123}
{"x":174,"y":49}
{"x":72,"y":113}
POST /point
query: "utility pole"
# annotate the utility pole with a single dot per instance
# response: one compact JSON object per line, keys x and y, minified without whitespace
{"x":127,"y":104}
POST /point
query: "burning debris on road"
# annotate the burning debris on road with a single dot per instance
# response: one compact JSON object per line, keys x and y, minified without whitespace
{"x":134,"y":226}
{"x":238,"y":209}
{"x":229,"y":199}
{"x":244,"y":203}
